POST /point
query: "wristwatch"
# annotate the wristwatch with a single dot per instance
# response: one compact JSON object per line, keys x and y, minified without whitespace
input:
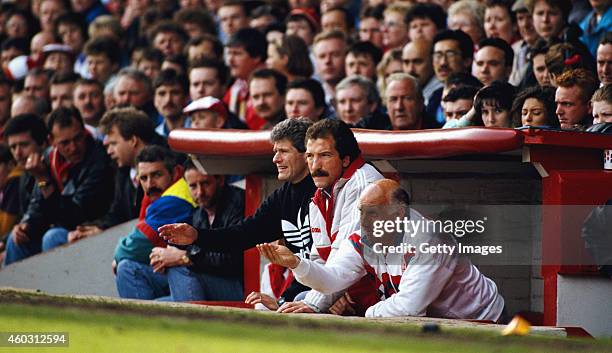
{"x":43,"y":184}
{"x":192,"y":251}
{"x":185,"y":259}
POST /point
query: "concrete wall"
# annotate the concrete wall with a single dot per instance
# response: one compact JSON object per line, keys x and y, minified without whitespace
{"x":585,"y":302}
{"x":81,"y":268}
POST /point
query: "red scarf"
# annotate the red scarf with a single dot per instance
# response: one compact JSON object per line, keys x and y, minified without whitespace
{"x":60,"y":168}
{"x":278,"y":282}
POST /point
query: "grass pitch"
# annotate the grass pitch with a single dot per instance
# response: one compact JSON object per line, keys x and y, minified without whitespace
{"x":105,"y":325}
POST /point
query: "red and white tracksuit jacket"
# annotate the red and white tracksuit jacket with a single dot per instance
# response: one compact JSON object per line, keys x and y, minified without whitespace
{"x":334,"y":217}
{"x":412,"y":284}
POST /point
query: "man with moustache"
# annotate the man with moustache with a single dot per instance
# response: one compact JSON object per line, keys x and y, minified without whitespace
{"x":88,"y":98}
{"x":411,"y":283}
{"x":282,"y":215}
{"x":453,"y":51}
{"x":340,"y":174}
{"x":267,"y":89}
{"x":171,"y":95}
{"x":416,"y":61}
{"x":167,"y":201}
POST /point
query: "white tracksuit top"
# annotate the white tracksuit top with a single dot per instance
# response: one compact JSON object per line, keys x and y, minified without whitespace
{"x":438,"y":285}
{"x":329,"y":228}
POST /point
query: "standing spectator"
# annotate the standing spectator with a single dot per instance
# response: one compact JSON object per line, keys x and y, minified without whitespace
{"x":70,"y":29}
{"x":50,"y":11}
{"x":452,"y":52}
{"x":37,"y":84}
{"x":338,"y":19}
{"x":58,"y":58}
{"x":391,"y":63}
{"x":304,"y":24}
{"x":73,"y":185}
{"x":150,"y":63}
{"x":458,"y":102}
{"x":205,"y":46}
{"x":6,"y":101}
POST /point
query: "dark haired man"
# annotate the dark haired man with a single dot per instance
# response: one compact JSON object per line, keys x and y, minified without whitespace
{"x":283,"y":215}
{"x":127,"y":132}
{"x":246,"y":52}
{"x":267,"y":89}
{"x":305,"y":98}
{"x":362,"y":59}
{"x":493,"y":61}
{"x":171,"y":95}
{"x":74,"y":183}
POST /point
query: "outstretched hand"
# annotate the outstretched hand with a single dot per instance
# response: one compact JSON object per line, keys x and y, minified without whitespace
{"x":178,"y":233}
{"x":278,"y":254}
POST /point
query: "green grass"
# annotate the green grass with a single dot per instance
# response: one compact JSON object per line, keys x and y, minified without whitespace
{"x":97,"y":325}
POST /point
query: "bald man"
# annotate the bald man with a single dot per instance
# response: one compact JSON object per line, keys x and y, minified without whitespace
{"x":416,"y":61}
{"x":411,"y":282}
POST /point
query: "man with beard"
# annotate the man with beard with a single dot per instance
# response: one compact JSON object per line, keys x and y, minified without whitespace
{"x":171,"y":94}
{"x":88,"y":98}
{"x":267,"y":96}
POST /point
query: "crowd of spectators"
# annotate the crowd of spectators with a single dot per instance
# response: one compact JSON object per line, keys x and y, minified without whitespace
{"x":91,"y":89}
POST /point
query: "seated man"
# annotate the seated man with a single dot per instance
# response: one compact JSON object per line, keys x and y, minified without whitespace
{"x":73,"y":185}
{"x":218,"y":275}
{"x":412,"y":283}
{"x":167,"y":200}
